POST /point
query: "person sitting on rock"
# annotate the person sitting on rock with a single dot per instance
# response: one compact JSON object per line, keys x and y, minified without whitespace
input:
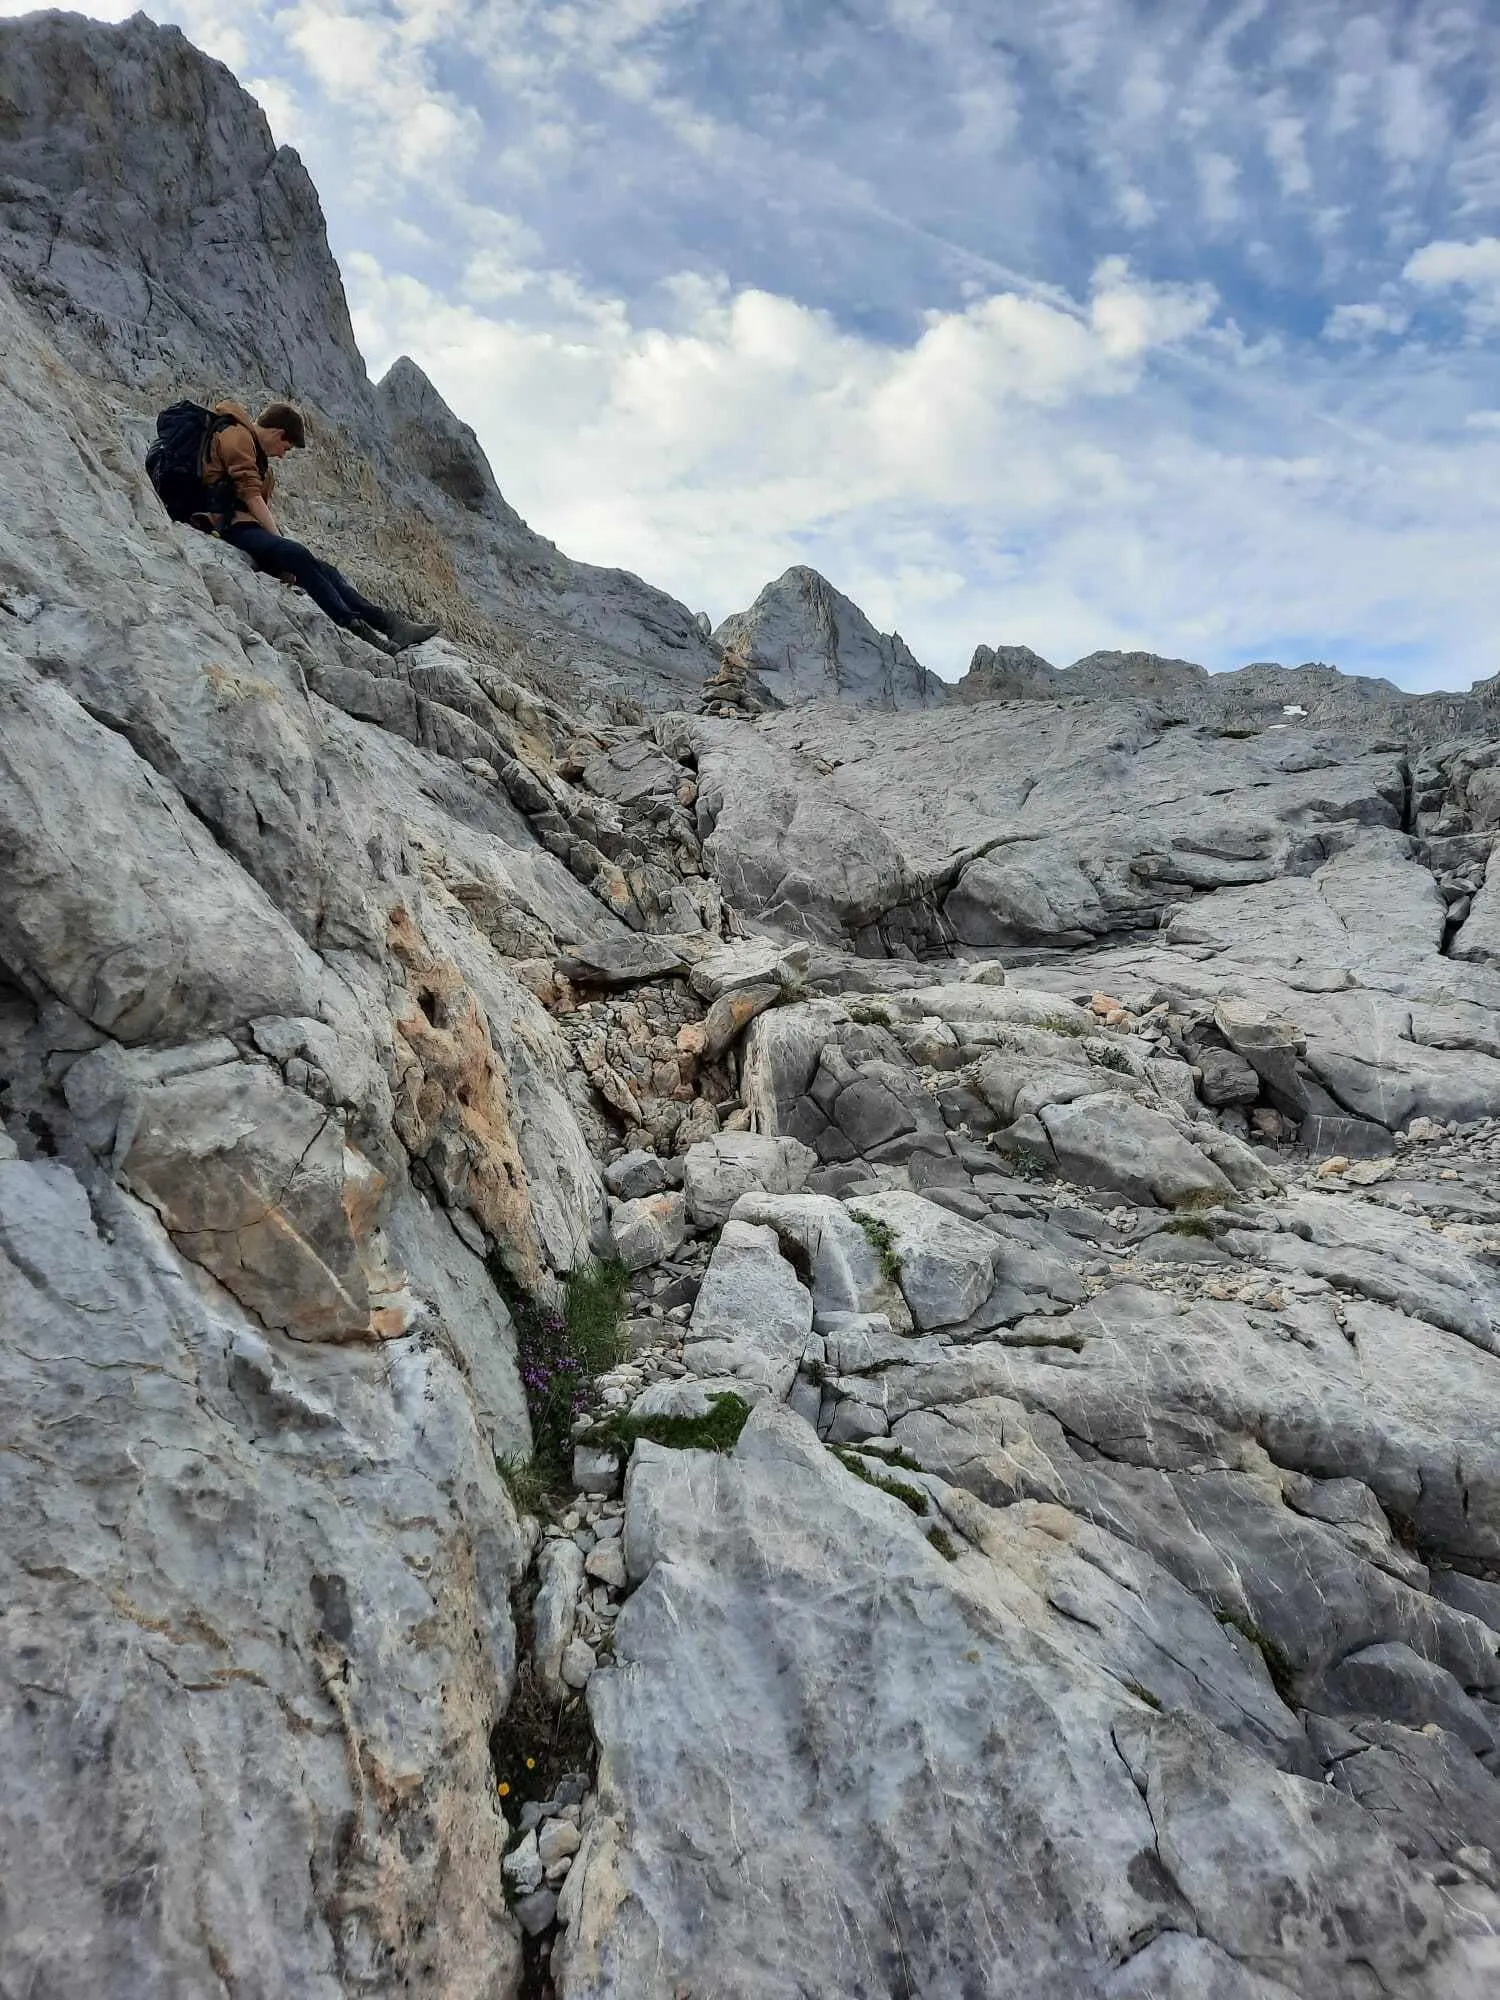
{"x":236,"y":466}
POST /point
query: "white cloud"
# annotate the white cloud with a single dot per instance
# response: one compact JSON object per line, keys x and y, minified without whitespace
{"x":378,"y":66}
{"x":1365,"y":321}
{"x":1015,"y":471}
{"x":1475,"y":265}
{"x":1472,"y":269}
{"x":1218,"y":201}
{"x":1286,"y":146}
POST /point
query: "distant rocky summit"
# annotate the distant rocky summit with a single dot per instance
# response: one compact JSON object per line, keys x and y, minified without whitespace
{"x":808,"y":642}
{"x":654,"y":1344}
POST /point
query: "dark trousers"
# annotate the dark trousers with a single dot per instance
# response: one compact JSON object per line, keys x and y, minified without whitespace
{"x":328,"y":587}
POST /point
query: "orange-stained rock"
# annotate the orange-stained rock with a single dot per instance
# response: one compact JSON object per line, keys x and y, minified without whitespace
{"x":454,"y":1108}
{"x":257,"y":1184}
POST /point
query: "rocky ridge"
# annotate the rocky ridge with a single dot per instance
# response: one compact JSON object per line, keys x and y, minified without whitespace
{"x":1041,"y":1534}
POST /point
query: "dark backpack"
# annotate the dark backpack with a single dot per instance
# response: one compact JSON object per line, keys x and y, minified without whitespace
{"x":175,"y":462}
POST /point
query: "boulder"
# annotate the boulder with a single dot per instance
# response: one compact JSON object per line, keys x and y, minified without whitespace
{"x":753,"y":1316}
{"x":717,"y":1172}
{"x":845,"y":1266}
{"x":635,"y":1174}
{"x":1105,"y":1141}
{"x":944,"y":1265}
{"x":555,"y":1613}
{"x":648,"y":1230}
{"x":731,"y":1014}
{"x":1046,"y":1680}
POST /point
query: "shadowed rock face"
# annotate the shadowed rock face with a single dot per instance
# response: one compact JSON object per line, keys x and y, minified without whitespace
{"x":146,"y":209}
{"x":1060,"y":1563}
{"x":808,"y":642}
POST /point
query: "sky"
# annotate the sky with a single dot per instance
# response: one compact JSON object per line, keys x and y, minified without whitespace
{"x":1068,"y":323}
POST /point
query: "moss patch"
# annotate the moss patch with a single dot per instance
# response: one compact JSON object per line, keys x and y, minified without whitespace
{"x":1105,"y":1056}
{"x":944,"y":1543}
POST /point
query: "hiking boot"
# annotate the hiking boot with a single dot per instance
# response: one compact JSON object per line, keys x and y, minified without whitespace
{"x":403,"y":632}
{"x":371,"y":637}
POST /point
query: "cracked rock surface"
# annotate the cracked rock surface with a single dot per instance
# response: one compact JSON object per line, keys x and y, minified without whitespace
{"x":1039,"y":1532}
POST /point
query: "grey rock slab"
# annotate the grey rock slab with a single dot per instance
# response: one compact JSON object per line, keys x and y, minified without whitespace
{"x":753,"y":1316}
{"x":717,"y":1172}
{"x":822,"y":1237}
{"x":622,"y":961}
{"x":1176,"y":1967}
{"x":947,"y":1264}
{"x":1105,"y":1141}
{"x":257,"y":1184}
{"x":746,"y":964}
{"x":984,"y":1667}
{"x":1390,"y":1680}
{"x":863,"y":1343}
{"x":1382,"y":1255}
{"x":693,"y":1395}
{"x":114,"y":893}
{"x":265,"y":1548}
{"x":855,"y":1421}
{"x":779,"y":1058}
{"x":1160,"y":1383}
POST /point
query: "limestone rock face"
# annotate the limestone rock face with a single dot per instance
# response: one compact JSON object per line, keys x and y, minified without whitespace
{"x":145,"y":207}
{"x":271,"y":1094}
{"x":1036,"y":1534}
{"x":986,"y":1685}
{"x":808,"y":642}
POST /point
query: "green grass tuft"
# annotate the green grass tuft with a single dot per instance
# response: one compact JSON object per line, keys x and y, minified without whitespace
{"x":717,"y":1430}
{"x":882,"y":1240}
{"x":1189,"y":1225}
{"x":561,"y":1351}
{"x":1144,"y":1694}
{"x":525,"y":1481}
{"x":1283,"y":1674}
{"x":944,"y":1543}
{"x":893,"y":1455}
{"x":909,"y":1496}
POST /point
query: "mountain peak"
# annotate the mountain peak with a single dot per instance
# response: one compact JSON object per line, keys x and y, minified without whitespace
{"x":809,"y":642}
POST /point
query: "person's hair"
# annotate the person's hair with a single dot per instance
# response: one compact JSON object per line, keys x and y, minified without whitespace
{"x":286,"y":418}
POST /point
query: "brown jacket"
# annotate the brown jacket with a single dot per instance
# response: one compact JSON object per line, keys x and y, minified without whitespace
{"x":231,"y":459}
